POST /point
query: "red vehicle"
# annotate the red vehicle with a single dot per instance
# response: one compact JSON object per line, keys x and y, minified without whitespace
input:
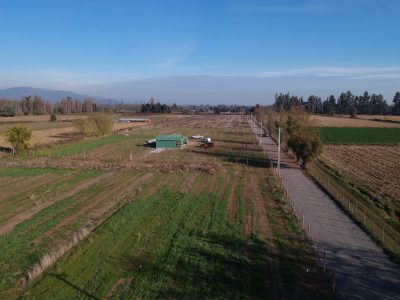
{"x":207,"y":145}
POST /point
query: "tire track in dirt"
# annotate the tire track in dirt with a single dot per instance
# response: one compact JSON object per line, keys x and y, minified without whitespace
{"x":232,"y":199}
{"x":25,"y":185}
{"x":264,"y":229}
{"x":109,"y":194}
{"x":188,"y":183}
{"x":10,"y":224}
{"x":121,"y":194}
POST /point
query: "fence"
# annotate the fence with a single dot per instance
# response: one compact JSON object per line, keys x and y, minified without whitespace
{"x":328,"y":273}
{"x":368,"y":217}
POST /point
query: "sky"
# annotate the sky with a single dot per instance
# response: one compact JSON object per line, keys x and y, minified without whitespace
{"x":89,"y":45}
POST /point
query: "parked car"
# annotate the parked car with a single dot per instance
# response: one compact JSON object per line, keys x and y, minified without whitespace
{"x":197,"y":136}
{"x":207,"y":145}
{"x":265,"y":134}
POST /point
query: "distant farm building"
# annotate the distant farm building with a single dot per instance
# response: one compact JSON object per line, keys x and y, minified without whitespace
{"x":170,"y":141}
{"x":134,"y":120}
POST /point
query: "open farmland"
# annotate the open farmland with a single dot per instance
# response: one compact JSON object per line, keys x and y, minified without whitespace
{"x":373,"y":170}
{"x":47,"y":133}
{"x":363,"y":135}
{"x":110,"y":218}
{"x":346,"y":121}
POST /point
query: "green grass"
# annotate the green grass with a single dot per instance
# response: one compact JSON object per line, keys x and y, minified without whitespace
{"x":22,"y":172}
{"x":17,"y":253}
{"x":172,"y":245}
{"x":360,"y":135}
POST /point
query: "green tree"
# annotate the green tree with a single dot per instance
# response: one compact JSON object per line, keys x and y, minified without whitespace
{"x":7,"y":111}
{"x":53,"y":118}
{"x":19,"y":137}
{"x":305,"y":145}
{"x":396,"y":103}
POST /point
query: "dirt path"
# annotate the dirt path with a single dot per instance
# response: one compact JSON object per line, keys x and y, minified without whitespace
{"x":363,"y":270}
{"x":264,"y":229}
{"x":232,"y":200}
{"x":14,"y":221}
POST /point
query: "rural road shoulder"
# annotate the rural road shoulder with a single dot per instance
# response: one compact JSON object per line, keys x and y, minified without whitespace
{"x":363,"y":270}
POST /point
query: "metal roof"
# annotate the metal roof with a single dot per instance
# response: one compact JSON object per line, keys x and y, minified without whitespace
{"x":170,"y":137}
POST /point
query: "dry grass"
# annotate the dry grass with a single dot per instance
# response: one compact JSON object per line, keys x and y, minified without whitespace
{"x":55,"y":135}
{"x":326,"y":121}
{"x":375,"y":169}
{"x":40,"y":118}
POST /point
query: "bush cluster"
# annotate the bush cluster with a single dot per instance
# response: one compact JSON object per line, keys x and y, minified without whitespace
{"x":97,"y":124}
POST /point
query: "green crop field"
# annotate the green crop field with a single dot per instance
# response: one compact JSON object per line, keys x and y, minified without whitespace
{"x":107,"y":218}
{"x":360,"y":135}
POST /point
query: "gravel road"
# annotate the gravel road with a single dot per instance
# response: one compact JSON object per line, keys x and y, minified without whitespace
{"x":363,"y":270}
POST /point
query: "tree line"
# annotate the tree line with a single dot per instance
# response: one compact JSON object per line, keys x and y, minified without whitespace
{"x":346,"y":103}
{"x":35,"y":105}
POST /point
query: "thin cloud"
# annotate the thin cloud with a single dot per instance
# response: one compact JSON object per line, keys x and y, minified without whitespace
{"x":349,"y":73}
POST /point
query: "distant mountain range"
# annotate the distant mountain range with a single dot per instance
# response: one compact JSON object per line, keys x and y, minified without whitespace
{"x":48,"y":95}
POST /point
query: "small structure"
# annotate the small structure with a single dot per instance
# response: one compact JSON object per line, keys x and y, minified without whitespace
{"x":134,"y":120}
{"x":170,"y":141}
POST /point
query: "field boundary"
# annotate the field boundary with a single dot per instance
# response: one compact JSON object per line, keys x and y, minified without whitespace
{"x":370,"y":221}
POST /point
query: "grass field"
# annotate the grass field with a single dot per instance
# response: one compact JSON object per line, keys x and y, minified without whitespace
{"x":362,"y":135}
{"x":106,"y":218}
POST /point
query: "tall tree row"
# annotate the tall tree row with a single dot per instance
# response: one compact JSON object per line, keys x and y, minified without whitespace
{"x":346,"y":103}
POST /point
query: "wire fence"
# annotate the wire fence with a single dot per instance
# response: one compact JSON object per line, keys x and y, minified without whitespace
{"x":328,"y":272}
{"x":373,"y":222}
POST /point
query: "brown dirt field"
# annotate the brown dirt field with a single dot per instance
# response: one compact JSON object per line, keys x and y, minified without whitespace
{"x":232,"y":200}
{"x":266,"y":233}
{"x":374,"y":168}
{"x":41,"y":118}
{"x":25,"y":187}
{"x":326,"y":121}
{"x":10,"y":224}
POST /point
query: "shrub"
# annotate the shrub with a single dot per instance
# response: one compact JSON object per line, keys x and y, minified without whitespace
{"x":103,"y":123}
{"x":97,"y":124}
{"x":19,"y":137}
{"x":53,"y":118}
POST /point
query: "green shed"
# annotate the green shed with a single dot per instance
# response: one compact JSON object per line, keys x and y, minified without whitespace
{"x":170,"y":141}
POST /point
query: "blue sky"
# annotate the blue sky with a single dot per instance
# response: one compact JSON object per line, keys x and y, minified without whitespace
{"x":69,"y":44}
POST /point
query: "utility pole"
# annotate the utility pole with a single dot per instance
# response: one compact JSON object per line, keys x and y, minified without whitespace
{"x":279,"y":151}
